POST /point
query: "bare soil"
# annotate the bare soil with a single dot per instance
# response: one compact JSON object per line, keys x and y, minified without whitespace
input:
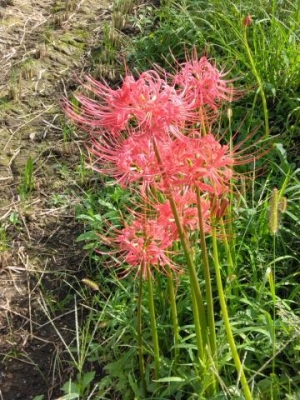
{"x":43,"y":45}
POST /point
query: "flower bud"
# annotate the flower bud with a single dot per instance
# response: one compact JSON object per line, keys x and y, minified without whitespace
{"x":247,"y":21}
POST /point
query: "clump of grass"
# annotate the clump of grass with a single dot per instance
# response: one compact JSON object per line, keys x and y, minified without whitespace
{"x":15,"y":85}
{"x":4,"y":239}
{"x":121,"y":10}
{"x":41,"y":51}
{"x":26,"y":185}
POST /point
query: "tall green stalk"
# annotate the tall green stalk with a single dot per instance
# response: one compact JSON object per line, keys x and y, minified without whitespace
{"x":174,"y":315}
{"x":195,"y":287}
{"x":230,"y":264}
{"x":271,"y":278}
{"x":225,"y":316}
{"x":206,"y":270}
{"x":140,"y":339}
{"x":258,"y":80}
{"x":274,"y":218}
{"x":153,"y":323}
{"x":199,"y":335}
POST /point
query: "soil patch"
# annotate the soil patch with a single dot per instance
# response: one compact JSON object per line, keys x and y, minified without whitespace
{"x":43,"y":45}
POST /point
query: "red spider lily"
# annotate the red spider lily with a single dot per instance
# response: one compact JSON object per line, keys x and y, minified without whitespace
{"x":157,"y":105}
{"x":110,"y":109}
{"x":186,"y":203}
{"x":199,"y":161}
{"x":202,"y":83}
{"x":150,"y":103}
{"x":145,"y":242}
{"x":147,"y":103}
{"x":143,"y":134}
{"x":128,"y":160}
{"x":194,"y":161}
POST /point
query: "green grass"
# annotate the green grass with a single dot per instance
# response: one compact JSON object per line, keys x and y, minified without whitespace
{"x":265,"y":61}
{"x":26,"y":185}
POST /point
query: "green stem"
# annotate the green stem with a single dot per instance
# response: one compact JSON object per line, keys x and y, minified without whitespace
{"x":230,"y":269}
{"x":153,"y":323}
{"x":259,"y":82}
{"x":203,"y":121}
{"x":273,"y":293}
{"x":231,"y":266}
{"x":192,"y":271}
{"x":140,"y":340}
{"x":198,"y":331}
{"x":236,"y":358}
{"x":206,"y":270}
{"x":174,"y":315}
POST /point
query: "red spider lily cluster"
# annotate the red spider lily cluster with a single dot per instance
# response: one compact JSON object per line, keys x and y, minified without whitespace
{"x":153,"y":134}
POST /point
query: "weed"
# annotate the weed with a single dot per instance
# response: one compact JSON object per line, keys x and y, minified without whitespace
{"x":28,"y":69}
{"x":41,"y":51}
{"x":15,"y":85}
{"x":68,"y":133}
{"x":70,"y":5}
{"x":83,"y":172}
{"x":4,"y":239}
{"x":14,"y":219}
{"x":80,"y":352}
{"x":58,"y":199}
{"x":27,"y":183}
{"x":121,"y":10}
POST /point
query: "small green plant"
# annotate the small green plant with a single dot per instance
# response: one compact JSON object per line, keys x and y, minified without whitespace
{"x":4,"y":240}
{"x":121,"y":10}
{"x":28,"y":69}
{"x":58,"y":199}
{"x":83,"y":172}
{"x":27,"y":183}
{"x":15,"y":85}
{"x":13,"y":220}
{"x":80,"y":352}
{"x":80,"y":386}
{"x":68,"y":133}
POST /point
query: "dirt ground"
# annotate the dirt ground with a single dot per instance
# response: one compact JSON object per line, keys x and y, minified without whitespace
{"x":43,"y":44}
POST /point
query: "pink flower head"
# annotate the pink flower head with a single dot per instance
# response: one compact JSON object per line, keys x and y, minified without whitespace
{"x":143,"y":244}
{"x":202,"y":83}
{"x":148,"y":104}
{"x":128,"y":160}
{"x":186,"y":204}
{"x":199,"y":161}
{"x":109,"y":110}
{"x":136,"y":161}
{"x":157,"y":105}
{"x":211,"y":165}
